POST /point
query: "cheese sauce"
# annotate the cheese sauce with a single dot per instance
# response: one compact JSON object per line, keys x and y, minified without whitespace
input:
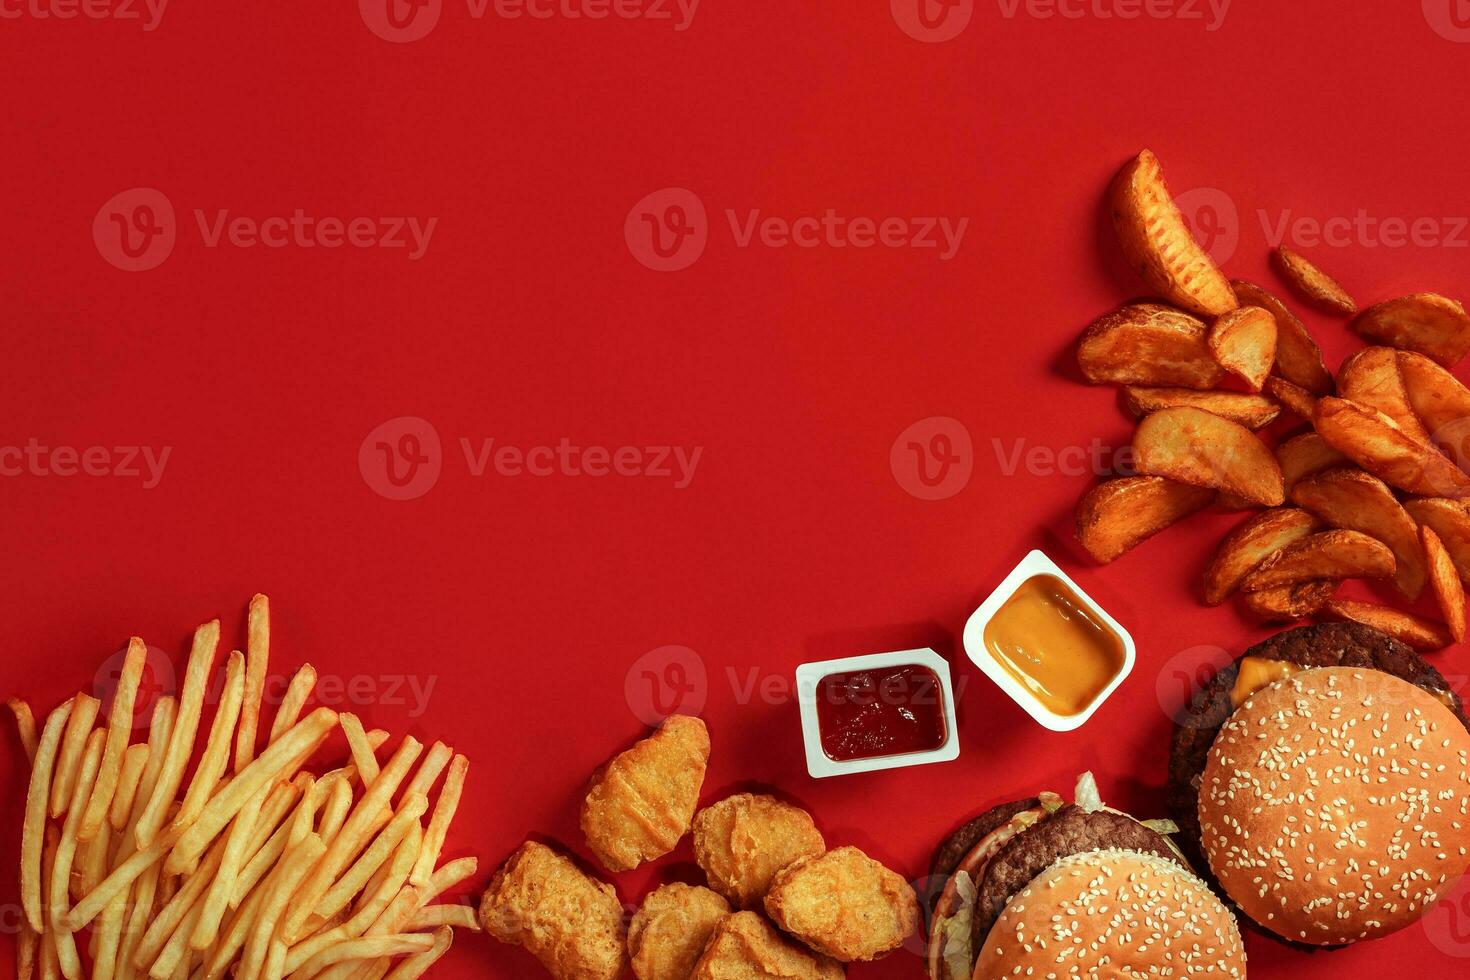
{"x":1052,"y":644}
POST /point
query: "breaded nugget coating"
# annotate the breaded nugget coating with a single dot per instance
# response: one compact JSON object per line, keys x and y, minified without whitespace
{"x":844,"y":904}
{"x":670,"y":931}
{"x":641,"y":802}
{"x":743,"y":840}
{"x":746,"y":947}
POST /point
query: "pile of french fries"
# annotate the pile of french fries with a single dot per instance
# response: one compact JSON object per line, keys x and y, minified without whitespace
{"x":1374,"y":487}
{"x":252,"y":865}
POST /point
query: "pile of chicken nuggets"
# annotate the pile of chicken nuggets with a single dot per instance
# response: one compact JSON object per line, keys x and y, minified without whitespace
{"x":822,"y":908}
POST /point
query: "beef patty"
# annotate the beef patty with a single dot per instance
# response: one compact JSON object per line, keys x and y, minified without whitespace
{"x":960,"y":843}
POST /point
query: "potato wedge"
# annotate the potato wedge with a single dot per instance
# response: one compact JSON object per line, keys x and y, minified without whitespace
{"x":1192,"y":446}
{"x":1441,"y":402}
{"x":1427,"y":323}
{"x":1115,"y":516}
{"x":1158,"y":244}
{"x":1290,"y":602}
{"x":1305,"y":455}
{"x":1371,"y":377}
{"x":1149,"y":344}
{"x":1356,"y":501}
{"x":1229,"y":501}
{"x":1422,"y":634}
{"x":1251,"y":411}
{"x":1252,"y":543}
{"x":1324,"y":555}
{"x":1450,"y":520}
{"x":1298,"y":358}
{"x":1297,"y":399}
{"x":1312,"y":283}
{"x":1444,"y":580}
{"x":1244,"y":343}
{"x":1376,"y":443}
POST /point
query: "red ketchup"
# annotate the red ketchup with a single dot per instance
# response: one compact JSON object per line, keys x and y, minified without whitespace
{"x":887,"y":711}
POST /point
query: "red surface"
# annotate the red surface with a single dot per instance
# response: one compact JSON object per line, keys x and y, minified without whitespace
{"x":526,"y":600}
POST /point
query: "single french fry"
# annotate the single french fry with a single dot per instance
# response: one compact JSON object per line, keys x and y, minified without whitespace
{"x":160,"y":731}
{"x":91,"y":862}
{"x":33,"y":833}
{"x":66,"y":849}
{"x":449,"y":875}
{"x":216,"y":758}
{"x":119,"y":732}
{"x":135,"y":760}
{"x":334,"y":813}
{"x":181,"y":738}
{"x":78,"y":729}
{"x":25,"y":724}
{"x":434,"y":916}
{"x":357,"y":743}
{"x":50,"y":955}
{"x":444,"y":810}
{"x":418,"y":964}
{"x":257,"y":659}
{"x":367,"y":948}
{"x":300,"y":688}
{"x":269,"y":766}
{"x":355,"y":880}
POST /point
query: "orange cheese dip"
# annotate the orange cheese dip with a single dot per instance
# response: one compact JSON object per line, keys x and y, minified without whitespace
{"x":1054,"y":646}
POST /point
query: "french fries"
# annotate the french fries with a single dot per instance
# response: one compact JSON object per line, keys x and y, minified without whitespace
{"x":1377,"y":444}
{"x":1371,"y":377}
{"x":1243,"y":342}
{"x":1287,"y":603}
{"x":1355,"y":501}
{"x":1441,"y":402}
{"x":1449,"y":592}
{"x":1149,"y":344}
{"x":1298,"y":358}
{"x":1194,"y":447}
{"x":1252,"y":543}
{"x":1450,"y":521}
{"x":1251,"y":411}
{"x":1325,"y":555}
{"x":1306,"y":455}
{"x":1158,"y":244}
{"x":1422,"y":634}
{"x":1312,"y":283}
{"x":1117,"y":515}
{"x":1426,"y":323}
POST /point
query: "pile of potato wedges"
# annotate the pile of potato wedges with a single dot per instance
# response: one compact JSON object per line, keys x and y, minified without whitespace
{"x":1376,"y":485}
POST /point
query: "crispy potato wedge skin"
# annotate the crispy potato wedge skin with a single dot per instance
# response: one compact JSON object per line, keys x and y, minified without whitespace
{"x":1290,"y":602}
{"x":1450,"y":520}
{"x":1298,"y":358}
{"x":1252,"y":543}
{"x":1427,"y":323}
{"x":1371,"y":377}
{"x":1356,"y":501}
{"x":1244,"y":343}
{"x":1115,"y":516}
{"x":1251,"y":411}
{"x":1422,"y":634}
{"x":1306,"y":455}
{"x":1312,"y":283}
{"x":1193,"y":446}
{"x":1441,"y":402}
{"x":1158,"y":244}
{"x":1149,"y":344}
{"x":1295,"y":398}
{"x":1325,"y":555}
{"x":1376,"y":443}
{"x":1444,"y":579}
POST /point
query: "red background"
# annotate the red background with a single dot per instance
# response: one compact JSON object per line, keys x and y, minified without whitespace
{"x":527,"y":600}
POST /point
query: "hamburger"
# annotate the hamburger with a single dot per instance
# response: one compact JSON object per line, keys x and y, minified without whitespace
{"x":1323,"y":783}
{"x":1040,"y":887}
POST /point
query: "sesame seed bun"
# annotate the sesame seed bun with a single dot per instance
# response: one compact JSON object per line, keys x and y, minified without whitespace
{"x":1114,"y":913}
{"x":1335,"y":805}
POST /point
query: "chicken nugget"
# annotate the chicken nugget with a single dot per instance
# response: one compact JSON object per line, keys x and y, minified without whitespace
{"x":743,"y":840}
{"x":568,"y":920}
{"x":844,"y":904}
{"x":744,"y":946}
{"x":641,"y":802}
{"x":671,"y":930}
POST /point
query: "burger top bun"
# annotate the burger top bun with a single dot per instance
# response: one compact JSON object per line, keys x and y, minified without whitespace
{"x":1114,"y":913}
{"x":1336,"y":805}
